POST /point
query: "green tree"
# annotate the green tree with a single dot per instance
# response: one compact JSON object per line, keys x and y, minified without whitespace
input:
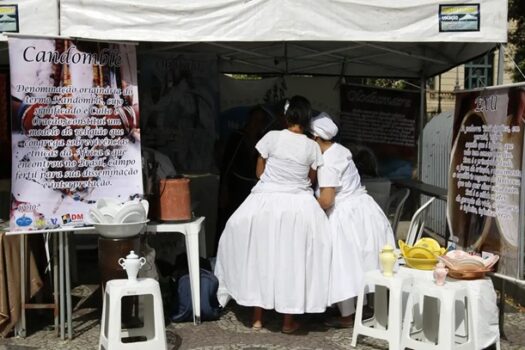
{"x":517,"y":35}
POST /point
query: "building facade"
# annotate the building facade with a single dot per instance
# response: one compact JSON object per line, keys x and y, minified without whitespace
{"x":478,"y":73}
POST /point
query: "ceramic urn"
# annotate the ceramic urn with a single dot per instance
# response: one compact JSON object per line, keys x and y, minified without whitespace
{"x":132,"y":265}
{"x":387,"y":258}
{"x":440,"y":273}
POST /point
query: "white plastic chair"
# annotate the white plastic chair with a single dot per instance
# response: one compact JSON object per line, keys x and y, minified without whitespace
{"x":394,"y":207}
{"x":152,"y":334}
{"x":415,"y":231}
{"x":388,"y":308}
{"x":429,"y":325}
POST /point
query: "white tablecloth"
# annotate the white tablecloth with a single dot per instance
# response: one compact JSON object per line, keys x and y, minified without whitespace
{"x":483,"y":294}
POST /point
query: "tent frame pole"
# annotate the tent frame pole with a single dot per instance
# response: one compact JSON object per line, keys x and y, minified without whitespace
{"x":501,"y":64}
{"x":421,"y":126}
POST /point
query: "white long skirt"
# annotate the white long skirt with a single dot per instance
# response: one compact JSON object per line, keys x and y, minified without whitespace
{"x":275,"y":253}
{"x":360,"y":229}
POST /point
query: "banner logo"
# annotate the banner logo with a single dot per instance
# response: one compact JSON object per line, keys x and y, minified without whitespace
{"x":24,"y":221}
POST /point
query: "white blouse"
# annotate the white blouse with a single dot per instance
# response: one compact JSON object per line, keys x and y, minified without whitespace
{"x":289,"y":158}
{"x":339,"y":171}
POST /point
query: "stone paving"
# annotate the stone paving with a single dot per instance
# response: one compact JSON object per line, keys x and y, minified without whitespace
{"x":231,"y":332}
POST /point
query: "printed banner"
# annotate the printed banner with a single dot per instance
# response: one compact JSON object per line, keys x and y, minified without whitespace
{"x":485,"y":173}
{"x":75,"y":129}
{"x":180,"y":106}
{"x":381,"y":122}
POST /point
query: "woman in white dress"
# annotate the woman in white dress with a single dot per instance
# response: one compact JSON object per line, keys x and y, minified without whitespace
{"x":274,"y":252}
{"x":359,"y":227}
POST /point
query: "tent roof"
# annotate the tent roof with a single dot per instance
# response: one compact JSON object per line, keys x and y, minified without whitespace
{"x":281,"y":20}
{"x":379,"y":38}
{"x":355,"y":37}
{"x":363,"y":59}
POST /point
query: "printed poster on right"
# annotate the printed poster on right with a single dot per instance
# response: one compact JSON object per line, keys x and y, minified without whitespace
{"x":485,"y":175}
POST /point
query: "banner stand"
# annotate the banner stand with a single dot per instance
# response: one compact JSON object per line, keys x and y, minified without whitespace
{"x":61,"y":282}
{"x":61,"y":278}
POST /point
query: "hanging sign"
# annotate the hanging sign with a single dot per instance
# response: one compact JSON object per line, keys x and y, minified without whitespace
{"x":485,"y":175}
{"x":75,"y":129}
{"x":459,"y":18}
{"x":8,"y":18}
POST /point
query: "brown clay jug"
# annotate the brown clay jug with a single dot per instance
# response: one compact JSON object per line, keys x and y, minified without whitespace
{"x":174,"y":199}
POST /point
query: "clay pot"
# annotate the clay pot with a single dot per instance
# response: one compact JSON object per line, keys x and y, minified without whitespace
{"x":174,"y":199}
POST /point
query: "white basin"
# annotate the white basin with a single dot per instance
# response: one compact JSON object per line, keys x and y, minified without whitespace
{"x":120,"y":230}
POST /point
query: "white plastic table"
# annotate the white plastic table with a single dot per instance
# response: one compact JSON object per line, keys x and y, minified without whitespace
{"x":485,"y":312}
{"x":191,"y":230}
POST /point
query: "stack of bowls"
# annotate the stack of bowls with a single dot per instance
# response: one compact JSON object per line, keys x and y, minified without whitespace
{"x":113,"y":219}
{"x":463,"y":265}
{"x":423,"y":255}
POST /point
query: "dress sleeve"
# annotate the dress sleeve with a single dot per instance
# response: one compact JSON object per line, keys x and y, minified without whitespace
{"x":265,"y":145}
{"x":317,"y":157}
{"x":328,"y":176}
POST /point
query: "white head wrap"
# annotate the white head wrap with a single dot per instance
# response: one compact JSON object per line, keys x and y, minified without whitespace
{"x":323,"y":126}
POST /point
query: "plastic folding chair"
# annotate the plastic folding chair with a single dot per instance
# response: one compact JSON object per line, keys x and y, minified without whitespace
{"x":395,"y":206}
{"x":415,"y":231}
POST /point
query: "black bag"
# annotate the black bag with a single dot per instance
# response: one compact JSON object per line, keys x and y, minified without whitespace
{"x":182,"y":310}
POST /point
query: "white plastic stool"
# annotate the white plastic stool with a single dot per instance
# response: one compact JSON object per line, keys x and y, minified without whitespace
{"x":420,"y":329}
{"x":111,"y":333}
{"x":388,"y":310}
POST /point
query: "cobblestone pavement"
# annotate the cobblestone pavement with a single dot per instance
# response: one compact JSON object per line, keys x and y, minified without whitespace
{"x":231,"y":332}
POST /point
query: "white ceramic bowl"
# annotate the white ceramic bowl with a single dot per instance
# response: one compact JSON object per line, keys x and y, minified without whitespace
{"x":130,"y":211}
{"x":120,"y":230}
{"x":110,"y":205}
{"x":134,"y":216}
{"x":96,"y":216}
{"x":145,"y":205}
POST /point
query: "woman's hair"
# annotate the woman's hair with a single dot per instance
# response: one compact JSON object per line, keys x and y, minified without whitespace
{"x":298,"y":111}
